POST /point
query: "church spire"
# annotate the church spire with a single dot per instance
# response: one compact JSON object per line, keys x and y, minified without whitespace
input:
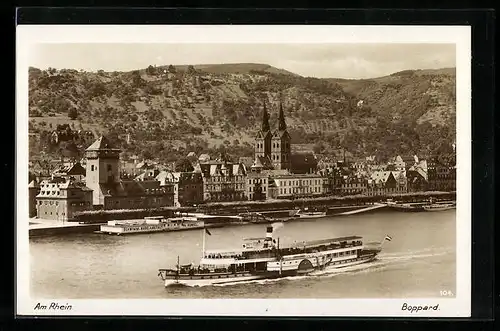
{"x":265,"y":119}
{"x":281,"y":123}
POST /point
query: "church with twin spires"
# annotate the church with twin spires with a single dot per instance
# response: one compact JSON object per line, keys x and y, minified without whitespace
{"x":273,"y":149}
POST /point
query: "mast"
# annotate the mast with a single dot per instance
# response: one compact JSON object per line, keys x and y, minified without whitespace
{"x":203,"y":248}
{"x":279,"y":256}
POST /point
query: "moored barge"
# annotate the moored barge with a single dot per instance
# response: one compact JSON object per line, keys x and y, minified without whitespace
{"x":151,"y":224}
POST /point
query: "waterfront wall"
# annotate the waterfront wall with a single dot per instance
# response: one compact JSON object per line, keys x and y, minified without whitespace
{"x":61,"y":230}
{"x":232,"y":208}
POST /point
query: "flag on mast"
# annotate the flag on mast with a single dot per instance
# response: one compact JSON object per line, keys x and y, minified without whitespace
{"x":208,"y":232}
{"x":388,"y":238}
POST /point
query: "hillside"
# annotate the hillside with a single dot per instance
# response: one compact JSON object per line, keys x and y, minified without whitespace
{"x":424,"y":95}
{"x":164,"y":112}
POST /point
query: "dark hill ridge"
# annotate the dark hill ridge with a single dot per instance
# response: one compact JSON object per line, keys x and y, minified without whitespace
{"x":166,"y":110}
{"x":233,"y":68}
{"x":242,"y":68}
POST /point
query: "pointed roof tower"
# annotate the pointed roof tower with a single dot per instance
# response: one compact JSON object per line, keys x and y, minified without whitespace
{"x":281,"y":119}
{"x":101,"y":144}
{"x":265,"y":119}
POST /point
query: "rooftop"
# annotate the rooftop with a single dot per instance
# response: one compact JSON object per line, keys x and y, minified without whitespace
{"x":102,"y":143}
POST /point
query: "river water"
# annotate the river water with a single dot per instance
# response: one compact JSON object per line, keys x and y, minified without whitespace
{"x":420,"y":261}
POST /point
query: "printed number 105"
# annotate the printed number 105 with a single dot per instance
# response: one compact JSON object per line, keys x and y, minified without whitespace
{"x":446,"y":293}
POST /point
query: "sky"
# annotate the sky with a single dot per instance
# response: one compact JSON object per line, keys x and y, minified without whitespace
{"x":311,"y":60}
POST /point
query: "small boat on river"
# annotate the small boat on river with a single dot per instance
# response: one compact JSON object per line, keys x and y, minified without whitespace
{"x":439,"y":206}
{"x":307,"y":214}
{"x":255,"y":217}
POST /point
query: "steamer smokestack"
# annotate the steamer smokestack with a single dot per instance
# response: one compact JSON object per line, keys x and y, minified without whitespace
{"x":269,"y":232}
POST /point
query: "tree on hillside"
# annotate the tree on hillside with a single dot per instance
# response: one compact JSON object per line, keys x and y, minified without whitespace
{"x":172,"y":69}
{"x":151,"y":70}
{"x":183,"y":165}
{"x":73,"y":113}
{"x":137,"y":80}
{"x":319,"y":147}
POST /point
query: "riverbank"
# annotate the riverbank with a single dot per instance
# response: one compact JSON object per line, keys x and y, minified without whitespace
{"x":330,"y":203}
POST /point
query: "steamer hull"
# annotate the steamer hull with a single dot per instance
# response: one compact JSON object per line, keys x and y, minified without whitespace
{"x":206,"y":280}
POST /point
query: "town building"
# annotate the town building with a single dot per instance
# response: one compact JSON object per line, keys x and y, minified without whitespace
{"x":416,"y":180}
{"x":223,"y":180}
{"x":186,"y":187}
{"x":326,"y":162}
{"x":33,"y":191}
{"x":381,"y":183}
{"x":112,"y":192}
{"x":441,"y":174}
{"x":132,"y":194}
{"x":259,"y":182}
{"x":247,"y":161}
{"x":203,"y":158}
{"x":293,"y":186}
{"x":128,"y":167}
{"x":402,"y":163}
{"x":75,"y":170}
{"x":149,"y":174}
{"x":401,"y":181}
{"x":304,"y":163}
{"x":352,"y":185}
{"x":59,"y":198}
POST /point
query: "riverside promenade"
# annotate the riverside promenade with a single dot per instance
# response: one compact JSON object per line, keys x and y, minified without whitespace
{"x":375,"y":206}
{"x":335,"y":206}
{"x":43,"y":227}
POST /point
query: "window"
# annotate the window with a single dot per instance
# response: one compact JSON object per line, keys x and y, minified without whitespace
{"x":92,"y":168}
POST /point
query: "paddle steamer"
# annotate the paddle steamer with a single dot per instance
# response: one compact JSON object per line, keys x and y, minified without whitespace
{"x":263,"y":258}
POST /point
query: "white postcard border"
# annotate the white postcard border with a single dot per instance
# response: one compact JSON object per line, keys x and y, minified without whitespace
{"x":29,"y":35}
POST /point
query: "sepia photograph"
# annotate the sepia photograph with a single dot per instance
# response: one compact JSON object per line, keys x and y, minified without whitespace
{"x":245,"y":172}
